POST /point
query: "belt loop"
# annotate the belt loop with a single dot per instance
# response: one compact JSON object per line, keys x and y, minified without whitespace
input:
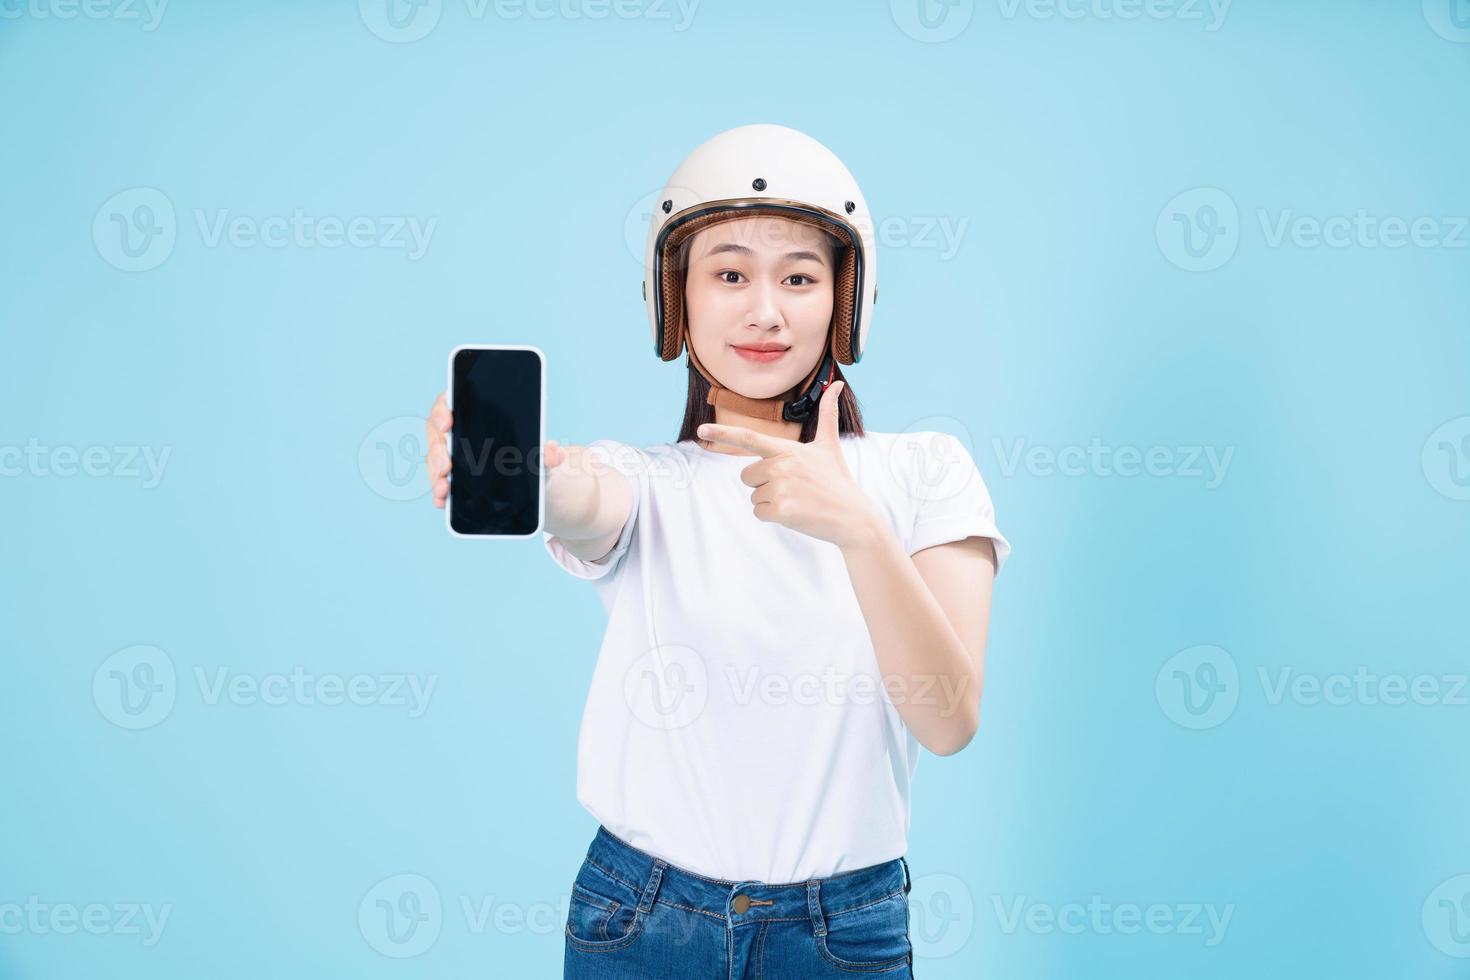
{"x":651,"y":889}
{"x":814,"y":907}
{"x":908,"y":882}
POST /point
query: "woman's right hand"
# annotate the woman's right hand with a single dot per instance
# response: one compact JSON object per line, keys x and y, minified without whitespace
{"x":437,"y":460}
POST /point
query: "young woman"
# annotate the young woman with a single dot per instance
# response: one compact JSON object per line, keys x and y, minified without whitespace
{"x":795,"y":604}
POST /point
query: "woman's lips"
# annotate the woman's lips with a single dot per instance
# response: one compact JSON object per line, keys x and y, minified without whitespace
{"x":761,"y":356}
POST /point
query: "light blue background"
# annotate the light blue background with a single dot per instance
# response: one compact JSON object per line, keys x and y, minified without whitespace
{"x":1336,"y":539}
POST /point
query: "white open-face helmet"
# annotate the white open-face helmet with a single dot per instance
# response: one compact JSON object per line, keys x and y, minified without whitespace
{"x":763,"y":169}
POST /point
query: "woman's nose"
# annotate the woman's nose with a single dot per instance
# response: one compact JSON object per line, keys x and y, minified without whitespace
{"x":765,"y":311}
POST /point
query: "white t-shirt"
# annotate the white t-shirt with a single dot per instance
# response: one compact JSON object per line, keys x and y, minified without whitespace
{"x":736,"y":725}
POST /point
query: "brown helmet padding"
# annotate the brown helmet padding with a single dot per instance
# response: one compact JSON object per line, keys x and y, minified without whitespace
{"x":844,"y":294}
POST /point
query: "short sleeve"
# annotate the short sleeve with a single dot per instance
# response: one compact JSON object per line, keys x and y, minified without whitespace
{"x":625,"y":459}
{"x":951,"y":501}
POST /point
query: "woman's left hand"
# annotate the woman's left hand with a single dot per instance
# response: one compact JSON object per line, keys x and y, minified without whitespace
{"x":805,"y":486}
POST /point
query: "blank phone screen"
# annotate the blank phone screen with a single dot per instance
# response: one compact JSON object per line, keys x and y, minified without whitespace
{"x":495,"y":443}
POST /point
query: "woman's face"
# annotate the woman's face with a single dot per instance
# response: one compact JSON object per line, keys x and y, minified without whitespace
{"x":759,"y":282}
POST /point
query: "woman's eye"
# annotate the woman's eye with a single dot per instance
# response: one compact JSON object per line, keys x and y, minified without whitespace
{"x":733,"y":278}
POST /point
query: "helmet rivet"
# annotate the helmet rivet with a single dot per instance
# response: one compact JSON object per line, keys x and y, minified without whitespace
{"x":759,"y":183}
{"x":851,"y":207}
{"x":668,"y":206}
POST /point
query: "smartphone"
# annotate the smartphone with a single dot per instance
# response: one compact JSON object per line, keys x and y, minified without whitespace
{"x":497,"y":480}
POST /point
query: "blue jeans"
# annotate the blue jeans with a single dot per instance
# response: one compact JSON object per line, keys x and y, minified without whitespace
{"x":635,"y":917}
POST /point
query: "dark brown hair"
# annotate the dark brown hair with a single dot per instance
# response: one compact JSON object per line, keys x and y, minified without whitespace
{"x":698,"y":411}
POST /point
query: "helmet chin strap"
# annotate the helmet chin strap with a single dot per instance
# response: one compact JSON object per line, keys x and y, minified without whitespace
{"x":793,"y":406}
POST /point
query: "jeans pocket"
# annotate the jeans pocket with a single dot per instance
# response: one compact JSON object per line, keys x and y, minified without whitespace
{"x":602,"y":913}
{"x":870,"y":939}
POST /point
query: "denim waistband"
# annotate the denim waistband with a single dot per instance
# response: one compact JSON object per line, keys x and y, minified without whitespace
{"x":741,"y":902}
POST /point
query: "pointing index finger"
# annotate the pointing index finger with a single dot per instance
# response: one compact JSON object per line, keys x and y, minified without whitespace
{"x":736,"y":435}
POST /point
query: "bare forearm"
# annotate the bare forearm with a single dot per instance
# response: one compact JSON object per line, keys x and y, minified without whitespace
{"x":931,"y":677}
{"x":587,"y":502}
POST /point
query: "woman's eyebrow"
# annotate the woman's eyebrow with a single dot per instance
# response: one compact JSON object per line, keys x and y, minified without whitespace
{"x":743,"y":250}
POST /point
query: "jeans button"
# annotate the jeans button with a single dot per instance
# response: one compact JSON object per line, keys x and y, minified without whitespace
{"x":742,"y":903}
